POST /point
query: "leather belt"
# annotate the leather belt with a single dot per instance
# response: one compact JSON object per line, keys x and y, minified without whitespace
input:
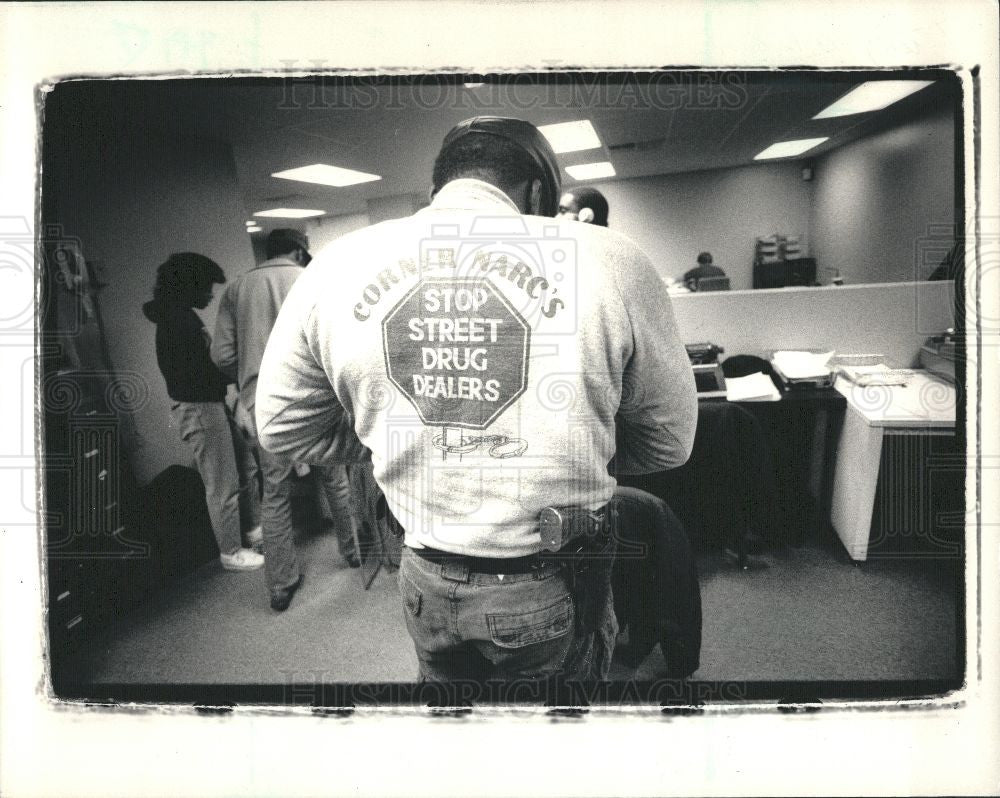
{"x":593,"y":539}
{"x":486,"y":565}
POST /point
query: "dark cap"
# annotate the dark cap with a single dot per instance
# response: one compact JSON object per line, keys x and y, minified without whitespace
{"x":287,"y":237}
{"x":529,"y":139}
{"x":704,"y":257}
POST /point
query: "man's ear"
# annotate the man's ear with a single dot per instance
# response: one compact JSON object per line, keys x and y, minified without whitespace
{"x":585,"y":215}
{"x":535,"y":197}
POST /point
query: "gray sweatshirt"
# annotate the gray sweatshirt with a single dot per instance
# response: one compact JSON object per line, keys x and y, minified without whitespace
{"x":247,"y":312}
{"x":492,"y":363}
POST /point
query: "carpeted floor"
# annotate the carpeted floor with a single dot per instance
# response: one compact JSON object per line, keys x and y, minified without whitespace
{"x":798,"y":614}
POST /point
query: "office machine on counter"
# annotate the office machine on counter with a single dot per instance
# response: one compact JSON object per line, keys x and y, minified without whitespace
{"x":700,"y":354}
{"x":799,"y":369}
{"x":937,"y":355}
{"x":708,"y":377}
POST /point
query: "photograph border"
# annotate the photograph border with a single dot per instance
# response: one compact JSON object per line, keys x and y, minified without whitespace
{"x":978,"y":689}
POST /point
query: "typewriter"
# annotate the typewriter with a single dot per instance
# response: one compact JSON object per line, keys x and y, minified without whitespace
{"x":708,"y":377}
{"x":699,"y":354}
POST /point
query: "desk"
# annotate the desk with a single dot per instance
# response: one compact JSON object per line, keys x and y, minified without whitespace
{"x":802,"y":430}
{"x":768,"y":479}
{"x":924,"y":406}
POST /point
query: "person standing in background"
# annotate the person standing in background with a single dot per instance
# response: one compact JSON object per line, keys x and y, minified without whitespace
{"x":185,"y":281}
{"x":246,"y":315}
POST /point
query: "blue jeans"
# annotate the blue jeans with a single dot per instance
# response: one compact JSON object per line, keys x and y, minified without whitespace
{"x":204,"y":426}
{"x":281,"y":566}
{"x":250,"y":481}
{"x":336,"y":504}
{"x":479,"y":627}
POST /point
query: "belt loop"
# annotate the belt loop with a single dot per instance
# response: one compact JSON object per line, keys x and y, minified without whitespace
{"x":455,"y":572}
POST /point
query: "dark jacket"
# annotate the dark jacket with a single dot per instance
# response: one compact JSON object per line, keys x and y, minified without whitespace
{"x":726,"y":490}
{"x":655,"y":583}
{"x":182,"y":353}
{"x":703,"y":270}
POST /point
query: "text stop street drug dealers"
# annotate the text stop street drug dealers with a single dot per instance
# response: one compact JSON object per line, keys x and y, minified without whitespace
{"x":455,"y":330}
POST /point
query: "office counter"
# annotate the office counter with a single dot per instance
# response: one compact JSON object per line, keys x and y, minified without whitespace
{"x":922,"y":409}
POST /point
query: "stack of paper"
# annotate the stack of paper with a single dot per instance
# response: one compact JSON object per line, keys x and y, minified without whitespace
{"x":802,"y":365}
{"x":879,"y":374}
{"x":790,"y":247}
{"x":767,"y":250}
{"x":752,"y":388}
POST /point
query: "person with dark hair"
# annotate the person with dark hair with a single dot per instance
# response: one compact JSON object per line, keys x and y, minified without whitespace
{"x":488,"y":158}
{"x":287,"y":243}
{"x":184,"y":282}
{"x":246,"y":315}
{"x":422,"y":342}
{"x":584,"y":204}
{"x":705,"y":268}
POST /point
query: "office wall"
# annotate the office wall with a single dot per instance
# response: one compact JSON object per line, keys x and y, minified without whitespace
{"x":674,"y":217}
{"x":133,"y":198}
{"x":875,"y":199}
{"x":892,"y":319}
{"x":327,"y":229}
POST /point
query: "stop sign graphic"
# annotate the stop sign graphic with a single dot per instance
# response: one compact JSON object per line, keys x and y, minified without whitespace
{"x":457,"y":350}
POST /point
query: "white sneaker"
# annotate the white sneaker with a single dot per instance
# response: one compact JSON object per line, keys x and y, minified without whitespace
{"x":243,"y":560}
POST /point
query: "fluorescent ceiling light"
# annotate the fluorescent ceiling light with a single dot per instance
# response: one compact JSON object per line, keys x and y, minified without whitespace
{"x":251,"y":222}
{"x":786,"y":149}
{"x":473,"y":85}
{"x":591,"y":171}
{"x":326,"y":175}
{"x":253,"y":228}
{"x":290,"y":213}
{"x":872,"y":96}
{"x":571,"y":136}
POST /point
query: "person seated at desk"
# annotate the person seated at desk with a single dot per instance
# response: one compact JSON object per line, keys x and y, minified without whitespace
{"x":704,"y":270}
{"x":584,"y":204}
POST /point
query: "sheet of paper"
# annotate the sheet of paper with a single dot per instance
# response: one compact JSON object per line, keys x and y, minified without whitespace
{"x":876,"y":375}
{"x":754,"y":387}
{"x":802,"y":365}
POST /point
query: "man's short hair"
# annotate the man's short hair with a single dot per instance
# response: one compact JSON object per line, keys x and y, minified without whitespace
{"x":284,"y":241}
{"x":587,"y":197}
{"x":704,"y":258}
{"x":486,"y":157}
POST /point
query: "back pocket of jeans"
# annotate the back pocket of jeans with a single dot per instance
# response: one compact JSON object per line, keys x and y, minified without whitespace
{"x":526,"y":628}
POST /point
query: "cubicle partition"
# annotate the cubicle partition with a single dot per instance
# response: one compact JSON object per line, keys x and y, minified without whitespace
{"x":892,"y":319}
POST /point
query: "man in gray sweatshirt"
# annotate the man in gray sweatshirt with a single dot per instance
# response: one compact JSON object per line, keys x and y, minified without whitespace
{"x":496,"y":363}
{"x":246,"y":314}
